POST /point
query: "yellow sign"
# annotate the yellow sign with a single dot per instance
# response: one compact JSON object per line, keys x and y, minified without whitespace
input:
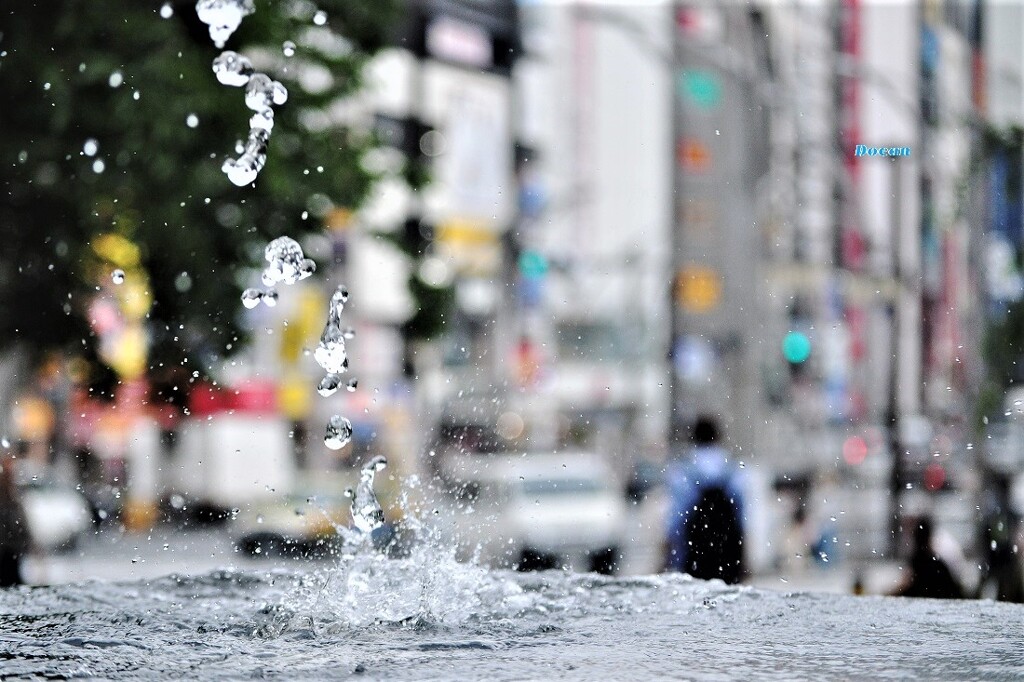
{"x":473,"y":246}
{"x":698,"y":288}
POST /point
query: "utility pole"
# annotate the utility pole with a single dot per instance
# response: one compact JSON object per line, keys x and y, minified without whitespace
{"x":892,"y":411}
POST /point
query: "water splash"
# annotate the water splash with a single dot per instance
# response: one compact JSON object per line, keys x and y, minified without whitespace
{"x":251,"y":298}
{"x":232,"y":69}
{"x":223,"y":17}
{"x":339,"y":432}
{"x":328,"y":385}
{"x":330,"y":353}
{"x":367,"y":514}
{"x":286,"y":264}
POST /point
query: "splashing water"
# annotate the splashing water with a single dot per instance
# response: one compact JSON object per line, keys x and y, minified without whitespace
{"x":328,"y":385}
{"x":262,"y":92}
{"x":330,"y":352}
{"x":286,"y":262}
{"x":251,"y":298}
{"x":367,"y":514}
{"x":117,"y":276}
{"x":243,"y":170}
{"x":339,"y":432}
{"x":223,"y":17}
{"x":232,"y":69}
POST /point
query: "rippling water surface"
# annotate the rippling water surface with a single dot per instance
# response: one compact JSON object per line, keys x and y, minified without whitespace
{"x":427,"y":617}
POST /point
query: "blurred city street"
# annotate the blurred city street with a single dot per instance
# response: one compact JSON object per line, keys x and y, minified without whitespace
{"x":730,"y":289}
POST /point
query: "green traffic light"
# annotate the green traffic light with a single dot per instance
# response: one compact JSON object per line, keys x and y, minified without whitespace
{"x":796,"y":347}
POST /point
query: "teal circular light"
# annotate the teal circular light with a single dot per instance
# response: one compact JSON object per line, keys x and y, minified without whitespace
{"x":796,"y":347}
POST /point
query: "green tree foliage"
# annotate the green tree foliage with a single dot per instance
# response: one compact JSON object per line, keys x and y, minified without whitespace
{"x":118,"y":73}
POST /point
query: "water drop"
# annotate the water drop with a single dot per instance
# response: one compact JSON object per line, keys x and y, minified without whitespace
{"x":98,"y":166}
{"x":288,"y":48}
{"x":367,"y":514}
{"x":166,"y":11}
{"x":320,"y":18}
{"x":270,"y":298}
{"x":5,"y":442}
{"x":286,"y":262}
{"x":192,"y":121}
{"x":251,"y":298}
{"x":263,"y":120}
{"x":328,"y":385}
{"x":352,"y":385}
{"x":349,"y":333}
{"x":115,"y":79}
{"x":339,"y":432}
{"x":117,"y":276}
{"x":232,"y":68}
{"x":90,"y":147}
{"x":223,"y":17}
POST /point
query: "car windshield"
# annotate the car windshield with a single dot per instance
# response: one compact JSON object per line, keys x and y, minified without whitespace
{"x":561,"y":486}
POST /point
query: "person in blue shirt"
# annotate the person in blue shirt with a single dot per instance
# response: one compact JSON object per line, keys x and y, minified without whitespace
{"x":705,"y":517}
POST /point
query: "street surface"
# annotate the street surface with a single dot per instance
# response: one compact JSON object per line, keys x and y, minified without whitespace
{"x":110,"y":554}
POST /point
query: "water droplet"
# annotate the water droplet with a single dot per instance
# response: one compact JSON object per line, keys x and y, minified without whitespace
{"x":270,"y":298}
{"x":262,"y":92}
{"x":90,"y":147}
{"x":115,"y":80}
{"x":305,"y":215}
{"x":285,"y":262}
{"x":117,"y":276}
{"x":251,"y":298}
{"x":166,"y":11}
{"x":339,"y":432}
{"x":232,"y":68}
{"x":5,"y":442}
{"x":349,"y":333}
{"x":367,"y":514}
{"x":352,"y":385}
{"x":192,"y":120}
{"x":98,"y":166}
{"x":288,"y":48}
{"x":263,"y":119}
{"x":328,"y":385}
{"x":320,"y":18}
{"x":223,"y":17}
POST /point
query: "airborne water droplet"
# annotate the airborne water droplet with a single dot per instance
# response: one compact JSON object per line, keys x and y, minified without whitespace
{"x":320,"y":18}
{"x":192,"y":121}
{"x":270,"y":298}
{"x":115,"y":79}
{"x":328,"y":385}
{"x":117,"y":276}
{"x":288,"y":48}
{"x":339,"y":432}
{"x":352,"y":385}
{"x":251,"y":298}
{"x":90,"y":147}
{"x":367,"y":514}
{"x":232,"y":68}
{"x":166,"y":11}
{"x":223,"y":17}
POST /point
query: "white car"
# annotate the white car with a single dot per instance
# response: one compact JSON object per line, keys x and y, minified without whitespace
{"x":57,"y":514}
{"x":539,"y":511}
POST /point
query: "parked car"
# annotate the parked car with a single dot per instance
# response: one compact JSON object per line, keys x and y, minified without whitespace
{"x":58,"y":515}
{"x":539,"y":511}
{"x":295,"y":525}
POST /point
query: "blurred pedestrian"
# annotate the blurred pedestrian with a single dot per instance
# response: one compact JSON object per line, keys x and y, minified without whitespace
{"x":930,"y":574}
{"x":705,"y":524}
{"x":15,"y":540}
{"x":1001,"y":574}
